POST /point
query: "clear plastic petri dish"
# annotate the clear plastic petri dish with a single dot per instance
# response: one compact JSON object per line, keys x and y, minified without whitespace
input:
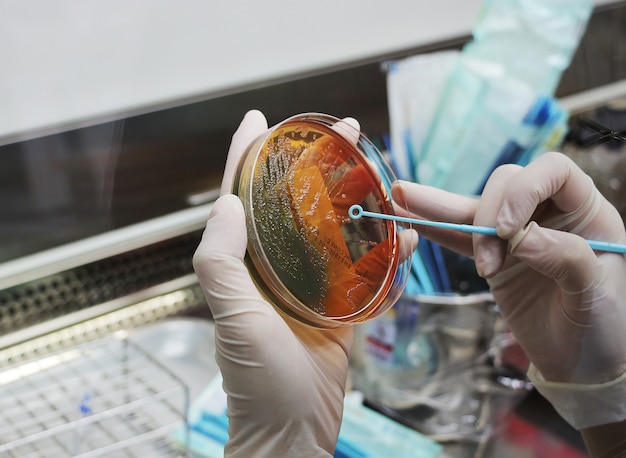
{"x":306,"y":255}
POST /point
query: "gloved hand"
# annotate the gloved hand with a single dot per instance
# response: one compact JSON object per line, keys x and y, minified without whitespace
{"x":565,"y":304}
{"x":284,"y":380}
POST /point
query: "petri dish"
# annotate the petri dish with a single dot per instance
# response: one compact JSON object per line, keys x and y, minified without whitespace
{"x":306,"y":255}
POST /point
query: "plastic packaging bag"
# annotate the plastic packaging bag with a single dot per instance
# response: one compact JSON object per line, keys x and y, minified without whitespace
{"x":494,"y":100}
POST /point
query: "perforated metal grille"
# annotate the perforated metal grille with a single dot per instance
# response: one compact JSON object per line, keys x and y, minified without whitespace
{"x":77,"y":289}
{"x":103,"y":398}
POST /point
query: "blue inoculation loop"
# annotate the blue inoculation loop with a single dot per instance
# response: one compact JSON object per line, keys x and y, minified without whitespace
{"x":356,"y":212}
{"x":607,"y":246}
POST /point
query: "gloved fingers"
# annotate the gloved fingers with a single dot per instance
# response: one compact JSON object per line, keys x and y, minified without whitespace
{"x":218,"y":260}
{"x":408,"y":243}
{"x":252,"y":125}
{"x":235,"y":303}
{"x":490,"y":252}
{"x":349,"y":128}
{"x":552,"y":177}
{"x":562,"y":256}
{"x":225,"y":231}
{"x":429,"y":203}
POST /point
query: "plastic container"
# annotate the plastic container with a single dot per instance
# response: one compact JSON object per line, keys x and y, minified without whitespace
{"x":306,"y":255}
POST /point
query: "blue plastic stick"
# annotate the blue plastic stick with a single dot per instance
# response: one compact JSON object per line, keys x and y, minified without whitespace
{"x":356,"y":212}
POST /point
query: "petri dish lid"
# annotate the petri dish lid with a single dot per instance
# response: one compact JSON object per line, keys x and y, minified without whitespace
{"x":306,"y":254}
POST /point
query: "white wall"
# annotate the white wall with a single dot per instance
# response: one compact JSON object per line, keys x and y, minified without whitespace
{"x":65,"y":61}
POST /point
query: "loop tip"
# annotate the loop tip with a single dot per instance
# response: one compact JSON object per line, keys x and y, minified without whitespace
{"x":355,"y":211}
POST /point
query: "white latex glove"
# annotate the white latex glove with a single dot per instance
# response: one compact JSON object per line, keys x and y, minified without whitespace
{"x":284,"y":380}
{"x":565,"y":304}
